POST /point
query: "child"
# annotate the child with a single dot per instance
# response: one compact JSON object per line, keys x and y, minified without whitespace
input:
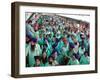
{"x":37,"y":61}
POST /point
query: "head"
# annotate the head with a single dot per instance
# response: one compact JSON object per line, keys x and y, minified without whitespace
{"x":73,"y":57}
{"x":86,"y":53}
{"x":82,"y":36}
{"x":51,"y":59}
{"x":29,"y":21}
{"x":37,"y":60}
{"x":44,"y":54}
{"x":33,"y":43}
{"x":28,"y":37}
{"x":54,"y":54}
{"x":71,"y":45}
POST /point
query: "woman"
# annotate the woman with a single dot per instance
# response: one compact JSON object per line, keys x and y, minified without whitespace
{"x":44,"y":58}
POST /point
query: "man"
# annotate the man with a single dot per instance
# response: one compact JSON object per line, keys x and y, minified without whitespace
{"x":73,"y":61}
{"x":65,"y":47}
{"x":85,"y":59}
{"x":41,"y":41}
{"x":81,"y":50}
{"x":29,"y":29}
{"x":48,"y":48}
{"x":36,"y":26}
{"x":40,"y":21}
{"x":70,"y":51}
{"x":59,"y":46}
{"x":28,"y":37}
{"x":33,"y":50}
{"x":52,"y":62}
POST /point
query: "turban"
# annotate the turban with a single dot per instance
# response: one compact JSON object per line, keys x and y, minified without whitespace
{"x":71,"y":45}
{"x":34,"y":39}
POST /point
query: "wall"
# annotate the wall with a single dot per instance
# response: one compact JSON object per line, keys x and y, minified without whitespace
{"x":5,"y":40}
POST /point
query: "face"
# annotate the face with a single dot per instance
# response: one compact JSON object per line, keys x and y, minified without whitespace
{"x":27,"y":39}
{"x":32,"y":43}
{"x":44,"y":54}
{"x":38,"y":62}
{"x":50,"y":59}
{"x":73,"y":58}
{"x":86,"y":54}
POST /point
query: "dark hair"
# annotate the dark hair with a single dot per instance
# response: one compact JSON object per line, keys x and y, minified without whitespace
{"x":54,"y":51}
{"x":51,"y":57}
{"x":86,"y":52}
{"x":44,"y":50}
{"x":44,"y":60}
{"x":37,"y":57}
{"x":29,"y":21}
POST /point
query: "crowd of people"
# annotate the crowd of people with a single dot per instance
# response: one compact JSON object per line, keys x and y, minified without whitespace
{"x":55,"y":40}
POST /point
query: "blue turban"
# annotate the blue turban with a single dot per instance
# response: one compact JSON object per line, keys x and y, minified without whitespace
{"x":71,"y":45}
{"x":29,"y":36}
{"x":34,"y":39}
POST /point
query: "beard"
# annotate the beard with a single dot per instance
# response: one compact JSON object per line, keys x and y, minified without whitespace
{"x":50,"y":63}
{"x":27,"y":42}
{"x":33,"y":47}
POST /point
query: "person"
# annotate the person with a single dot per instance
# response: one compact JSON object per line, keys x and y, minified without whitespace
{"x":29,"y":29}
{"x":44,"y":58}
{"x":81,"y":50}
{"x":41,"y":41}
{"x":85,"y":59}
{"x":37,"y":61}
{"x":70,"y":51}
{"x":59,"y":46}
{"x":40,"y":21}
{"x":36,"y":26}
{"x":75,"y":49}
{"x":48,"y":48}
{"x":69,"y":38}
{"x":65,"y":47}
{"x":87,"y":42}
{"x":33,"y":50}
{"x":73,"y":61}
{"x":28,"y":38}
{"x":51,"y":61}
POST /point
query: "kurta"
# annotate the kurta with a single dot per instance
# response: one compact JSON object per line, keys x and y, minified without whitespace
{"x":85,"y":60}
{"x":36,"y":52}
{"x":29,"y":30}
{"x":59,"y":47}
{"x":73,"y":62}
{"x":81,"y":51}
